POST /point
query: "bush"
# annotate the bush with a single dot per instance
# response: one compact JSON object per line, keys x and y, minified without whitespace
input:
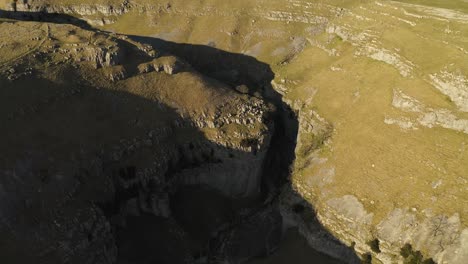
{"x":406,"y":250}
{"x":374,"y":245}
{"x":414,"y":257}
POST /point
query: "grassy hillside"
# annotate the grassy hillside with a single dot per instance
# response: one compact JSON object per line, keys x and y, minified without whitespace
{"x":381,"y":90}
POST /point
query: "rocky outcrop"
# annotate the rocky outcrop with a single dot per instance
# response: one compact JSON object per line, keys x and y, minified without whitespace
{"x":94,"y":14}
{"x":99,"y":57}
{"x":296,"y":212}
{"x":428,"y":117}
{"x":79,"y":9}
{"x":169,"y":65}
{"x":455,"y":86}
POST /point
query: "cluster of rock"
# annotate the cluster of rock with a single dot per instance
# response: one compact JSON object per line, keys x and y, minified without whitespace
{"x":168,"y":64}
{"x":14,"y":75}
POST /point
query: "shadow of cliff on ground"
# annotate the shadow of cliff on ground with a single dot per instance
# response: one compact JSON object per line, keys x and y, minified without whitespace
{"x":141,"y":242}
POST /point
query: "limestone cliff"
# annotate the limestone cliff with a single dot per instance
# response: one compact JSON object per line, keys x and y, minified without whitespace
{"x":379,"y":89}
{"x":84,"y":151}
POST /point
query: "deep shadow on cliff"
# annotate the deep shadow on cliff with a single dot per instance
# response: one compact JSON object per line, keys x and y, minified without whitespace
{"x":88,"y":151}
{"x":44,"y":17}
{"x":218,"y":228}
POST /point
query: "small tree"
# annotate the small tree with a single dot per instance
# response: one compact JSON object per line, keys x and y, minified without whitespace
{"x":414,"y":257}
{"x":406,"y":250}
{"x":375,"y":245}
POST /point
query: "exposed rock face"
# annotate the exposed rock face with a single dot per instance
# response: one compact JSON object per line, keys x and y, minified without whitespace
{"x":97,"y":14}
{"x":80,"y":9}
{"x":428,"y":117}
{"x":100,"y":57}
{"x":295,"y":213}
{"x":455,"y":86}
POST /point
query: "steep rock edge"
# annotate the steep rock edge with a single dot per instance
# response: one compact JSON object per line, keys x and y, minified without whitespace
{"x":102,"y":138}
